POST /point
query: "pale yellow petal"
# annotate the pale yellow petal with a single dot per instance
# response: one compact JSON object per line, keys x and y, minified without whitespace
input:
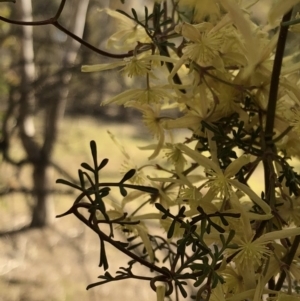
{"x":142,"y":232}
{"x":123,"y":97}
{"x":253,"y":196}
{"x":159,"y":145}
{"x":239,"y":20}
{"x":270,"y":236}
{"x":234,"y":167}
{"x":102,"y":67}
{"x":188,"y":31}
{"x":200,"y":159}
{"x":118,"y":144}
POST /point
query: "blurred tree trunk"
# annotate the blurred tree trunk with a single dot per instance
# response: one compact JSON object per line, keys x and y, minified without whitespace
{"x":40,"y":155}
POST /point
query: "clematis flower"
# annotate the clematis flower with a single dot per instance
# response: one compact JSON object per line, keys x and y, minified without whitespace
{"x":129,"y":32}
{"x":205,"y":45}
{"x":252,"y":253}
{"x":221,"y":182}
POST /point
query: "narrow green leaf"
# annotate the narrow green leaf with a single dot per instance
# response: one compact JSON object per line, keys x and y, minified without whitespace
{"x":181,"y":212}
{"x":200,"y":280}
{"x":222,"y":238}
{"x":129,"y":174}
{"x":81,"y":178}
{"x":104,"y":192}
{"x":146,"y":15}
{"x":203,"y":227}
{"x":102,"y":164}
{"x":148,"y":189}
{"x":87,"y":166}
{"x":230,"y":236}
{"x":103,"y":258}
{"x":124,"y":13}
{"x":134,"y":14}
{"x":65,"y":182}
{"x":123,"y":190}
{"x":166,"y":22}
{"x":89,"y":179}
{"x":93,"y":147}
{"x":160,"y":207}
{"x":216,"y":251}
{"x":223,"y":220}
{"x":215,"y":280}
{"x":217,"y":227}
{"x":171,"y":229}
{"x":182,"y":290}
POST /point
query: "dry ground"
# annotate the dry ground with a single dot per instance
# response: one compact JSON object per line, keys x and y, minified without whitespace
{"x":57,"y":263}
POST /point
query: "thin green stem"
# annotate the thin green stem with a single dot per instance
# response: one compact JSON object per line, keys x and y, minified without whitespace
{"x":288,"y":261}
{"x":115,"y":244}
{"x":274,"y":85}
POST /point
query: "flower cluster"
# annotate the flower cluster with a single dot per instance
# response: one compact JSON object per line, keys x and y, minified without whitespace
{"x":211,"y":64}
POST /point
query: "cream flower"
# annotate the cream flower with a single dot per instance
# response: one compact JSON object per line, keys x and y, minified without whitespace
{"x":252,"y":252}
{"x":205,"y":45}
{"x":129,"y":34}
{"x":221,"y":183}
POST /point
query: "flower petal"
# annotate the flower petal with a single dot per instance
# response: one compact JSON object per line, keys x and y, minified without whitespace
{"x":270,"y":236}
{"x":253,"y":196}
{"x":200,"y":159}
{"x":234,"y":167}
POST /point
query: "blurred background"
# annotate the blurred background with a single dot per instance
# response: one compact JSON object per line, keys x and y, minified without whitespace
{"x":49,"y":112}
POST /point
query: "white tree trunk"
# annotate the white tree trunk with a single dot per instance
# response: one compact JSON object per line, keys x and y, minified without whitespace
{"x":40,"y":155}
